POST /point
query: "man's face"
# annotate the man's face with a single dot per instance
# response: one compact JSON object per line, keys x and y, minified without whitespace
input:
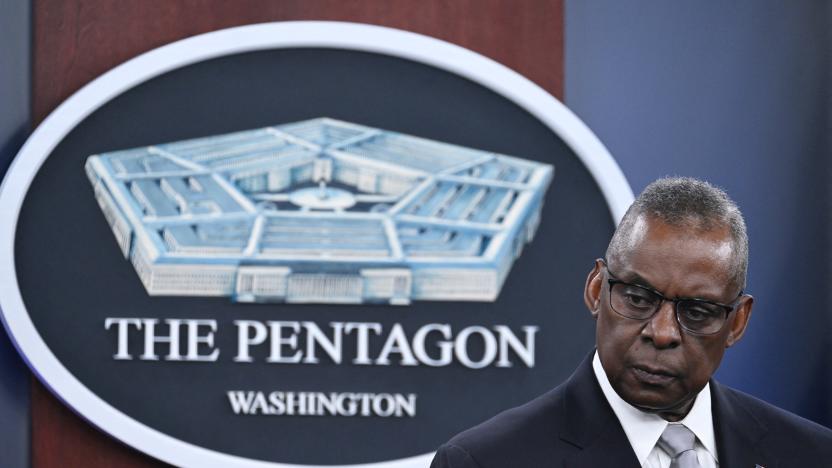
{"x":653,"y":364}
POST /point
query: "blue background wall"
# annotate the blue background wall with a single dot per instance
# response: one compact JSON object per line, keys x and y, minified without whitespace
{"x":15,"y":35}
{"x":736,"y":93}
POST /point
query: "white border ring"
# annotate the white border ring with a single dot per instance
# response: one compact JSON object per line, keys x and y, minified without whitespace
{"x":286,"y":35}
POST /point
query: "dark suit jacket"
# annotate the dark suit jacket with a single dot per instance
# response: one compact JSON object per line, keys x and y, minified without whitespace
{"x":573,"y":426}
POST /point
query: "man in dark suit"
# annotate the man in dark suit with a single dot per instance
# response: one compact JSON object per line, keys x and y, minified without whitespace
{"x":667,"y":300}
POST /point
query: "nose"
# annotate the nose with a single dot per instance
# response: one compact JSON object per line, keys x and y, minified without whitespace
{"x":663,"y":329}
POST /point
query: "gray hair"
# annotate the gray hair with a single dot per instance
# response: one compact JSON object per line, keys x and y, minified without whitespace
{"x":690,"y":203}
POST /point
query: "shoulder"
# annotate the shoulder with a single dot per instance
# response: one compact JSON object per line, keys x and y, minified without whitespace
{"x":538,"y":415}
{"x":527,"y":431}
{"x":782,"y":427}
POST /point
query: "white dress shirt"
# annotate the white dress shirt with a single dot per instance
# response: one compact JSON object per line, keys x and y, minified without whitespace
{"x":644,"y":429}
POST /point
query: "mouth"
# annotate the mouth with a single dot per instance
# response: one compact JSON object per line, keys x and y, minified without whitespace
{"x":653,"y":376}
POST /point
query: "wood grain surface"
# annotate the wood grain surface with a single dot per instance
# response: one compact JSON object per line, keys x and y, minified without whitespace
{"x":75,"y":41}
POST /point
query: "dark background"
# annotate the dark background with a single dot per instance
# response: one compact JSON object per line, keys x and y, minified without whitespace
{"x":64,"y":246}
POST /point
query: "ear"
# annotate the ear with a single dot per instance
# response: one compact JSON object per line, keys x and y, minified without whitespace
{"x":740,"y":322}
{"x":592,"y":288}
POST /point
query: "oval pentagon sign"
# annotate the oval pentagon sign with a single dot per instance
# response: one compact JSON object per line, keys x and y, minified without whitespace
{"x":303,"y":244}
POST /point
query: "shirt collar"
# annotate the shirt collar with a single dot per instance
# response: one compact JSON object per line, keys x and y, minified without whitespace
{"x":644,"y":429}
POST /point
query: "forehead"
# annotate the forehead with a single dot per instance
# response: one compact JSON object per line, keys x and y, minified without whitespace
{"x":683,"y":261}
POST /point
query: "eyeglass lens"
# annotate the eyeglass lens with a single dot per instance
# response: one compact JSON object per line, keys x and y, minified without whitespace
{"x":639,"y":303}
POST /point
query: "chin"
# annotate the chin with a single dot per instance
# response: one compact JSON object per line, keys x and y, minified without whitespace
{"x":652,"y":400}
{"x":652,"y":406}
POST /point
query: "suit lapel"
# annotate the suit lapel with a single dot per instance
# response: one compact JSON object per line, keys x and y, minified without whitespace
{"x":739,"y":434}
{"x":592,"y":426}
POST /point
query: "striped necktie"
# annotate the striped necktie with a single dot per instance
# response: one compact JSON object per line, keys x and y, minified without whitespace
{"x":678,"y":441}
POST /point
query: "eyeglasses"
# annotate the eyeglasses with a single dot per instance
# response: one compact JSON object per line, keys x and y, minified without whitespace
{"x":695,"y":316}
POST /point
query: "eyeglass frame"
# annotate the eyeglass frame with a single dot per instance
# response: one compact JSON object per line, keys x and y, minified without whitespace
{"x":613,"y":280}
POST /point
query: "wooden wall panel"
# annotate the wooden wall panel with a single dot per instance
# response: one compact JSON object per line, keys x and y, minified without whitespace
{"x":77,"y":40}
{"x":62,"y":439}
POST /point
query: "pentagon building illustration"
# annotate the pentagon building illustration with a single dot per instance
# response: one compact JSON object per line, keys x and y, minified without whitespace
{"x":320,"y":211}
